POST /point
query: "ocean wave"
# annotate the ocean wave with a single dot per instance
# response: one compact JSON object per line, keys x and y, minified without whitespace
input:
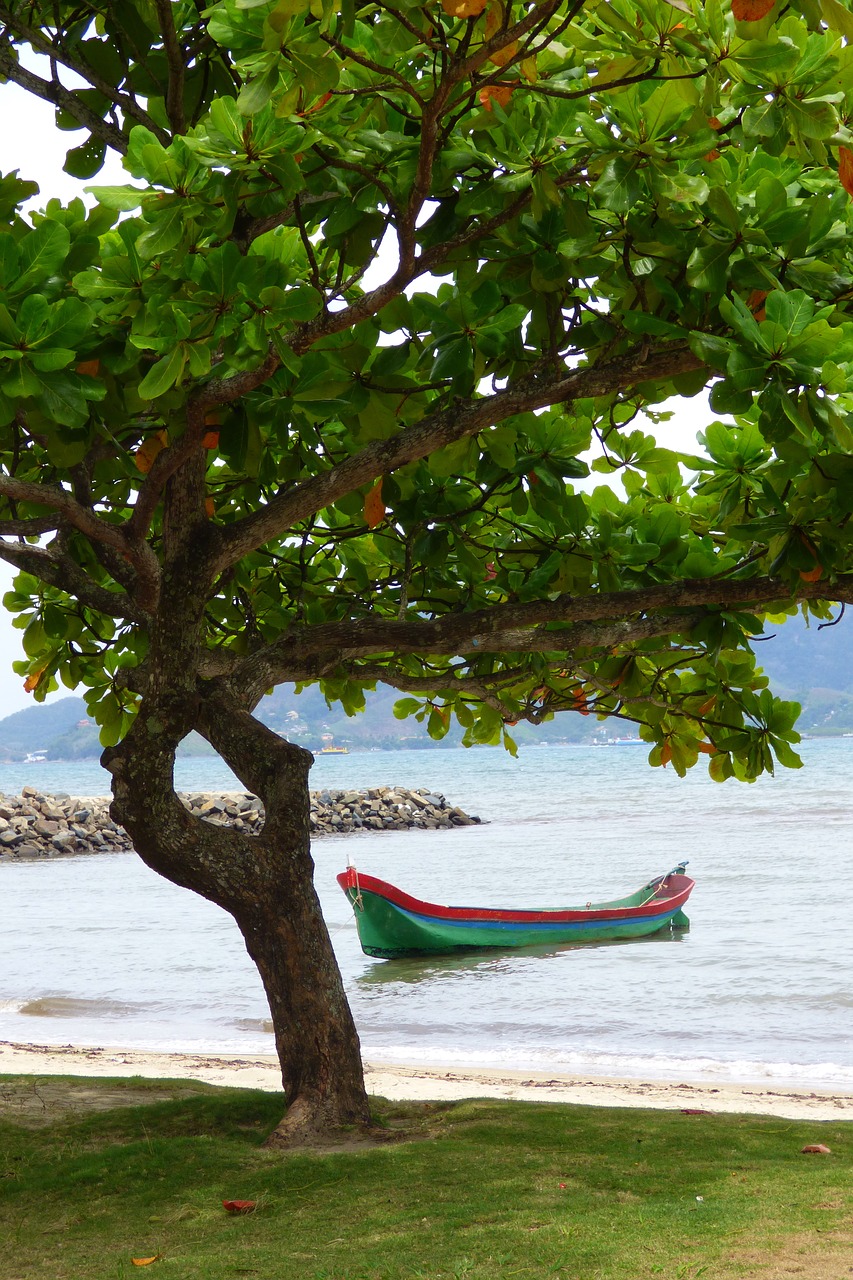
{"x":252,"y":1024}
{"x":77,"y":1007}
{"x":697,"y":1070}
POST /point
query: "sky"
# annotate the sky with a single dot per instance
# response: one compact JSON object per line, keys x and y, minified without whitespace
{"x":30,"y":143}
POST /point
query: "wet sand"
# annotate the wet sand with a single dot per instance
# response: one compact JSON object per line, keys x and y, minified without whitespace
{"x":401,"y":1082}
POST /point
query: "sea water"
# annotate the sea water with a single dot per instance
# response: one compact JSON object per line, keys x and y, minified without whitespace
{"x":99,"y":950}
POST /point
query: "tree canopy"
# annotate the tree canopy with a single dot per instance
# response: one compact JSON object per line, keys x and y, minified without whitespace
{"x":309,"y":399}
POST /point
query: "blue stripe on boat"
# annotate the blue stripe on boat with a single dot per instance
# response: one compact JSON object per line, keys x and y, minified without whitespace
{"x":512,"y":926}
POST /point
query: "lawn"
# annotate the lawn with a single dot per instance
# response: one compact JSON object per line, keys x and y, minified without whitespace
{"x":98,"y":1173}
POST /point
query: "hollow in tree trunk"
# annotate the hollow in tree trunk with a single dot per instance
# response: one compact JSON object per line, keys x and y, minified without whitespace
{"x":265,"y":882}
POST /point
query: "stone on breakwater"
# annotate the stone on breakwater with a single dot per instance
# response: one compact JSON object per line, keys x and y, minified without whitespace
{"x":34,"y":825}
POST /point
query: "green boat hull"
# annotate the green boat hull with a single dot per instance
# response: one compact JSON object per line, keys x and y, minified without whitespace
{"x":388,"y":929}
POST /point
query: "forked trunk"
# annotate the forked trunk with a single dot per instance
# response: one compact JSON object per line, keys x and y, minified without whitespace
{"x":266,"y":883}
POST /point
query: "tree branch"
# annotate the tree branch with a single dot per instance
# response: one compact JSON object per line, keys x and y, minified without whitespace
{"x":175,"y":59}
{"x":52,"y":91}
{"x":38,"y":41}
{"x":71,"y":511}
{"x":562,"y":625}
{"x":169,"y":460}
{"x":463,"y":418}
{"x":33,"y":528}
{"x":64,"y":573}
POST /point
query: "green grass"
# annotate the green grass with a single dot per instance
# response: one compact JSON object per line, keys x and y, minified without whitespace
{"x":482,"y":1190}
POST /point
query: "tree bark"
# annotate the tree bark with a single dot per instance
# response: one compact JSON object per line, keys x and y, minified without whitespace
{"x":315,"y":1036}
{"x":264,"y":882}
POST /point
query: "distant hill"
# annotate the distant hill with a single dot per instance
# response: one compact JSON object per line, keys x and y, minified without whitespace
{"x":811,"y":666}
{"x":37,"y":728}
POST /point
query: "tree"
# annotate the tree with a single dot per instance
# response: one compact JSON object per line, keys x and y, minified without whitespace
{"x":306,"y":402}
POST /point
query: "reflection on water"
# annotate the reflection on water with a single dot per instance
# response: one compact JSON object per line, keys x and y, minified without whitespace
{"x":414,"y":969}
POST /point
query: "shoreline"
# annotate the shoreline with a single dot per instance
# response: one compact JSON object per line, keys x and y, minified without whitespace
{"x":434,"y":1082}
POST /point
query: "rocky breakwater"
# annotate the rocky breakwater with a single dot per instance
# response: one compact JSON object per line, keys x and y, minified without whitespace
{"x":35,"y":825}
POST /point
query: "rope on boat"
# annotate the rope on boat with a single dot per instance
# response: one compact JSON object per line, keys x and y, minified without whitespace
{"x":655,"y":884}
{"x":357,"y":901}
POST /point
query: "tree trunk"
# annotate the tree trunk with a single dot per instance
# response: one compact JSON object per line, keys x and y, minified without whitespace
{"x":265,"y":882}
{"x":315,"y":1036}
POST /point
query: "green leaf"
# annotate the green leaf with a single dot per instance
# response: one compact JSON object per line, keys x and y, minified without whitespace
{"x":256,"y":94}
{"x":454,"y":361}
{"x":42,"y":252}
{"x":708,"y":267}
{"x":122,"y":199}
{"x":315,"y":73}
{"x":812,"y":118}
{"x":837,"y":17}
{"x":164,"y":374}
{"x":162,"y":235}
{"x":86,"y":160}
{"x":64,"y":399}
{"x":793,"y":311}
{"x":620,"y":186}
{"x":404,"y":707}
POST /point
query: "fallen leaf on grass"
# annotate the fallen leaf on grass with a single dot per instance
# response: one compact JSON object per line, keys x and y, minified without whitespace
{"x":239,"y":1206}
{"x":146,"y":1262}
{"x":816,"y":1149}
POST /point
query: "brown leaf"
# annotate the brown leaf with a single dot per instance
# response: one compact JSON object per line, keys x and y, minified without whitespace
{"x":494,"y":22}
{"x":751,"y":10}
{"x":816,"y":1149}
{"x":210,"y":440}
{"x":529,"y":69}
{"x":89,"y":367}
{"x":239,"y":1206}
{"x":845,"y":169}
{"x":33,"y":681}
{"x":146,"y":1262}
{"x":317,"y":106}
{"x":755,"y":302}
{"x":501,"y":57}
{"x":463,"y":8}
{"x":374,"y":507}
{"x":148,"y":450}
{"x":499,"y":93}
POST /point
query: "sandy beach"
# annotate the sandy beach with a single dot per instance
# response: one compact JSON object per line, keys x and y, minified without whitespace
{"x":434,"y":1082}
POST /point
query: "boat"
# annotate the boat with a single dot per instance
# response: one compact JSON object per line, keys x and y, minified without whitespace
{"x":333,"y":751}
{"x":392,"y":923}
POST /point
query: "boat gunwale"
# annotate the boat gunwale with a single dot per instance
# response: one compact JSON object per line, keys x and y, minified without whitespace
{"x":653,"y":906}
